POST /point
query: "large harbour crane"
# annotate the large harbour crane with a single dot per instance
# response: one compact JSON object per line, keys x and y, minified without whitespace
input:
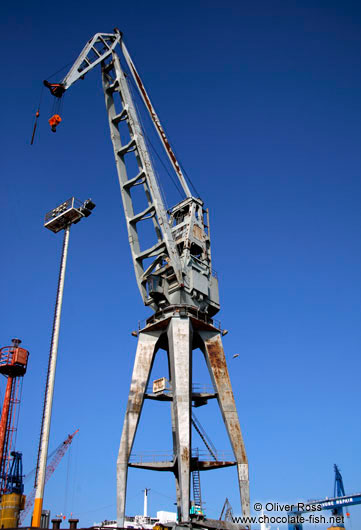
{"x":174,"y":275}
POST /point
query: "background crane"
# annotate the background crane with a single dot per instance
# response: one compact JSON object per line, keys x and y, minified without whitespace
{"x":56,"y":457}
{"x":338,"y":490}
{"x":335,"y":504}
{"x":227,"y":511}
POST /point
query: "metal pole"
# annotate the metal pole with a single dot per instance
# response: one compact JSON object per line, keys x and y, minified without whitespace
{"x":49,"y":390}
{"x":145,"y":511}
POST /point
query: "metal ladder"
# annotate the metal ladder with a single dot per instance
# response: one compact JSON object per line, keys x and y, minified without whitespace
{"x":205,"y":438}
{"x":197,"y":495}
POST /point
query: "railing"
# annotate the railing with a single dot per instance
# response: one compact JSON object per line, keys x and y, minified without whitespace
{"x":6,"y":355}
{"x":193,"y":311}
{"x":197,"y":388}
{"x":147,"y":457}
{"x":13,"y":359}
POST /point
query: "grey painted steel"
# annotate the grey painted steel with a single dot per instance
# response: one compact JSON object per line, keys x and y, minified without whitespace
{"x":175,"y":450}
{"x":142,"y":367}
{"x":164,"y":246}
{"x":199,"y":398}
{"x":217,"y":366}
{"x":180,"y":360}
{"x":175,"y":268}
{"x":93,"y":53}
{"x":181,"y":337}
{"x":48,"y":402}
{"x":171,"y":465}
{"x":96,"y":51}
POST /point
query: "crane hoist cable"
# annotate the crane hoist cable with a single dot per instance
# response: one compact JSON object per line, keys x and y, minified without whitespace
{"x":134,"y":86}
{"x":37,"y":114}
{"x":149,"y":145}
{"x":134,"y":91}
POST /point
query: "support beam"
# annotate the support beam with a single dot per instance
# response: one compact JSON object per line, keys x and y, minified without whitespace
{"x":174,"y":439}
{"x":179,"y":332}
{"x":215,"y":358}
{"x":180,"y":354}
{"x":144,"y":358}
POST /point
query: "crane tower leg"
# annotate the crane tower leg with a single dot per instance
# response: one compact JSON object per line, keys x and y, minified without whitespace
{"x":180,"y":354}
{"x":179,"y":330}
{"x":144,"y":357}
{"x":174,"y":437}
{"x":217,"y":366}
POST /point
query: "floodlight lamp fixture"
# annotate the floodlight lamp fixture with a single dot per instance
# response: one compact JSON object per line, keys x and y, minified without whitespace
{"x":69,"y":212}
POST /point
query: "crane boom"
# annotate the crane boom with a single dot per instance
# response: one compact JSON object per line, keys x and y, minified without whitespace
{"x":114,"y":81}
{"x":97,"y":50}
{"x":94,"y":52}
{"x":175,"y":267}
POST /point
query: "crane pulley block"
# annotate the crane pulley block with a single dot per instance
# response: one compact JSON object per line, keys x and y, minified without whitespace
{"x":54,"y":122}
{"x":57,"y":89}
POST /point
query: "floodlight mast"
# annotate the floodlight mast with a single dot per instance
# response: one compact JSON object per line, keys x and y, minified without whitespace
{"x":174,"y":275}
{"x":60,"y":218}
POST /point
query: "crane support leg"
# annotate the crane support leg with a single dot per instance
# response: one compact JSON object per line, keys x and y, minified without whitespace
{"x":144,"y":357}
{"x":180,"y":352}
{"x":174,"y":438}
{"x":179,"y":330}
{"x":215,"y":358}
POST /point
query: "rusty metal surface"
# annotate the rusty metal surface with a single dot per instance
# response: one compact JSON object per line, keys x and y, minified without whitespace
{"x":219,"y":370}
{"x":169,"y":465}
{"x":180,"y":355}
{"x":154,"y":466}
{"x":216,"y":361}
{"x":144,"y":358}
{"x":199,"y":319}
{"x":175,"y":333}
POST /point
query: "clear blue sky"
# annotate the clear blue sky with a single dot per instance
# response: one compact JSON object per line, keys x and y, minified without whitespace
{"x":262,"y":103}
